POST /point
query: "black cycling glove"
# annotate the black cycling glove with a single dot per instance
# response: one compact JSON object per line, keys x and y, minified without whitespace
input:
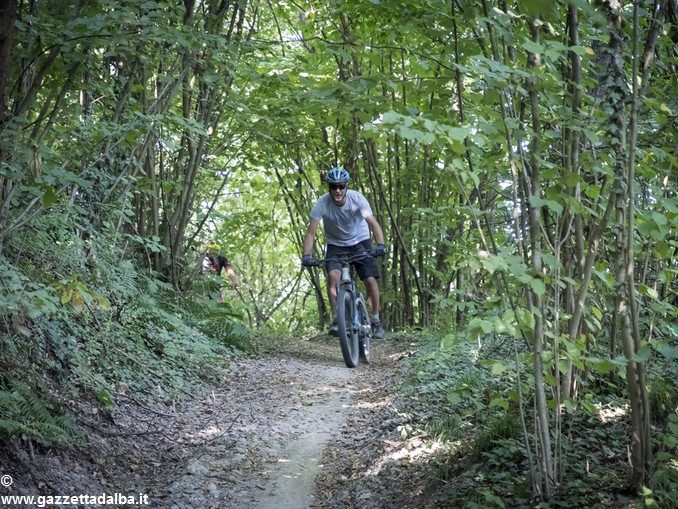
{"x":308,"y":260}
{"x":379,"y":251}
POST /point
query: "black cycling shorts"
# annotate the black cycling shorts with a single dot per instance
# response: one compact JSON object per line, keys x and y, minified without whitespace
{"x":365,"y":267}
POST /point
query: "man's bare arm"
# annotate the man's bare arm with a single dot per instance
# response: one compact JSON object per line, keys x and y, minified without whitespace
{"x":376,"y":229}
{"x":309,"y":238}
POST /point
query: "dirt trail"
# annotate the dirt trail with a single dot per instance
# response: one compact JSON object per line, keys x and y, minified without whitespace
{"x":296,"y":429}
{"x":277,"y":425}
{"x":259,"y":441}
{"x":291,"y":481}
{"x":293,"y":428}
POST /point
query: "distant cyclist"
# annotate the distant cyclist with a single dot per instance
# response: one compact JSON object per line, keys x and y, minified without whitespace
{"x":347,"y":221}
{"x":216,"y":263}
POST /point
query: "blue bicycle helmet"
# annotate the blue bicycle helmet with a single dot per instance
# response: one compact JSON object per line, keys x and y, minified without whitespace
{"x":337,"y":175}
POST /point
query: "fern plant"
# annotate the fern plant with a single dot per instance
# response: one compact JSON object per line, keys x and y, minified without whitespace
{"x":25,"y":413}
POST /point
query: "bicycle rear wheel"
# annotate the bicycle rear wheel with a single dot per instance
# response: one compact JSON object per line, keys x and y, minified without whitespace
{"x":348,"y":335}
{"x":364,"y":331}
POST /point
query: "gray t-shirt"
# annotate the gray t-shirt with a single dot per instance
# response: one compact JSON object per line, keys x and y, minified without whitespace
{"x":345,"y":225}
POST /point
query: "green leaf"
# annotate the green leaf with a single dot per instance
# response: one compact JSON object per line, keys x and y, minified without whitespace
{"x":493,"y":263}
{"x":104,"y":303}
{"x":592,"y":191}
{"x":448,"y":341}
{"x":457,"y":133}
{"x":66,"y":295}
{"x":592,"y":136}
{"x":562,"y":366}
{"x":660,"y":219}
{"x":643,"y":353}
{"x":479,"y":325}
{"x":665,"y":109}
{"x":597,"y":312}
{"x":467,"y":175}
{"x":552,"y":205}
{"x":49,"y":196}
{"x":500,"y":402}
{"x":646,"y":290}
{"x":533,"y":47}
{"x":571,"y":179}
{"x":410,"y":134}
{"x":453,"y":398}
{"x":668,"y":351}
{"x":525,"y":319}
{"x":581,"y":50}
{"x":391,"y":117}
{"x":537,"y":286}
{"x":602,"y":365}
{"x":498,"y":368}
{"x":427,"y":138}
{"x":589,"y":407}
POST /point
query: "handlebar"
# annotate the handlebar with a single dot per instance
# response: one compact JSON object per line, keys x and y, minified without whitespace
{"x":311,"y":261}
{"x":343,"y":260}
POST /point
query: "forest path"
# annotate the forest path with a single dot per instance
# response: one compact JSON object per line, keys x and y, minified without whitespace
{"x":282,"y":434}
{"x":258,"y":442}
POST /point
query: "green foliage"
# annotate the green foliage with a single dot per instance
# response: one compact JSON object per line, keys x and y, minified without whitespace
{"x":83,"y":317}
{"x":495,"y":431}
{"x":446,"y":427}
{"x":468,"y":400}
{"x":663,"y":395}
{"x":665,"y":478}
{"x":28,"y":413}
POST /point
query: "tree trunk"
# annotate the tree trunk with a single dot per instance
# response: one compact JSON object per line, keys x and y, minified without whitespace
{"x":625,"y":309}
{"x":7,"y":17}
{"x":547,"y":468}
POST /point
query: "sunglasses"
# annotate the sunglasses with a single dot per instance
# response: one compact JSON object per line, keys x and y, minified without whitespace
{"x":337,"y":186}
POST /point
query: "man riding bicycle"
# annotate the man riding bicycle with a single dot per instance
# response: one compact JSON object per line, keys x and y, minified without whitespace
{"x":347,"y":221}
{"x":215,"y":263}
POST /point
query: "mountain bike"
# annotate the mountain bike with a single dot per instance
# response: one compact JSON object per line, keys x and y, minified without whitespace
{"x":353,"y":320}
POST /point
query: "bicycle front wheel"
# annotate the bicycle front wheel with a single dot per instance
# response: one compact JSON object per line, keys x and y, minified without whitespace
{"x":365,"y":332}
{"x":348,"y":335}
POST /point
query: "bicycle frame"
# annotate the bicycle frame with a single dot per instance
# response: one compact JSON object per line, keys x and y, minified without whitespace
{"x":352,"y":316}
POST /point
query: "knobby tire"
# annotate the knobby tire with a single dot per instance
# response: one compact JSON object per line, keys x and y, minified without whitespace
{"x":365,"y":332}
{"x":348,"y":336}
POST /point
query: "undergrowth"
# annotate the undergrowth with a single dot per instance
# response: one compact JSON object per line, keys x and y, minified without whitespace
{"x":82,"y":322}
{"x":29,"y":412}
{"x":468,"y":400}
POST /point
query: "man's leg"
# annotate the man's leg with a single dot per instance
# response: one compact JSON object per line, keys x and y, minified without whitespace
{"x":333,"y":277}
{"x":372,"y":287}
